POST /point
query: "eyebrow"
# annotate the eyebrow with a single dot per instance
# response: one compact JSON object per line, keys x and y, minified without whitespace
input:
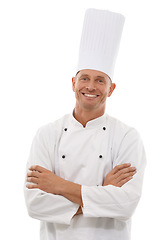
{"x":100,"y":77}
{"x":86,"y":75}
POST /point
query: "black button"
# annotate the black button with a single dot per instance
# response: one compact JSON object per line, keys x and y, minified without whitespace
{"x":65,"y":129}
{"x":104,"y":128}
{"x":100,"y":156}
{"x":63,"y":156}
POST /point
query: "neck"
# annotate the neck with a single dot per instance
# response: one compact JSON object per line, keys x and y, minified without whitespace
{"x":84,"y":116}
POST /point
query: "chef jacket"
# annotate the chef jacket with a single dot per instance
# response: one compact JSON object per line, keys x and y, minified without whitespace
{"x":85,"y":155}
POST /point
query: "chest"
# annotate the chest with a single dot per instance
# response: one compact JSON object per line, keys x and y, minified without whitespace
{"x":84,"y":155}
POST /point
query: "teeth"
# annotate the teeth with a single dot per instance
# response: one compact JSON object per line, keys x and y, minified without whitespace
{"x":88,"y":95}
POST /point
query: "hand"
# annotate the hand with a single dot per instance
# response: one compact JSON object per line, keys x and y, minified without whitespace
{"x":48,"y":182}
{"x":120,"y":175}
{"x":43,"y":179}
{"x":79,"y":211}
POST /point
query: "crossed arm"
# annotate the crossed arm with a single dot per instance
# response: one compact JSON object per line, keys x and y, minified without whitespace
{"x":47,"y":181}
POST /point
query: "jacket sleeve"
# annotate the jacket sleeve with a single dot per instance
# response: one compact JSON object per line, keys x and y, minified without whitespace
{"x":115,"y":202}
{"x":41,"y":205}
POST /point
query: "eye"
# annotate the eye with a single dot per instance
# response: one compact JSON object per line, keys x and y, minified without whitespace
{"x":100,"y":81}
{"x":83,"y":79}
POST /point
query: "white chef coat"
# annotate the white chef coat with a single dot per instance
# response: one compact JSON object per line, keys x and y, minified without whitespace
{"x":85,"y":156}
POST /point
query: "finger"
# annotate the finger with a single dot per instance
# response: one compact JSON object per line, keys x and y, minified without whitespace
{"x":126,"y":175}
{"x":125,"y":170}
{"x":37,"y":168}
{"x":33,"y":180}
{"x":31,"y":186}
{"x":124,"y":181}
{"x":120,"y":167}
{"x":33,"y":174}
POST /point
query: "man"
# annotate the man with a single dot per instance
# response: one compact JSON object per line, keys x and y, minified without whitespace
{"x":85,"y":171}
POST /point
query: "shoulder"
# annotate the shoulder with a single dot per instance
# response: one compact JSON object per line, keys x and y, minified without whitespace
{"x":51,"y":131}
{"x":127,"y":145}
{"x":120,"y":128}
{"x":121,"y":132}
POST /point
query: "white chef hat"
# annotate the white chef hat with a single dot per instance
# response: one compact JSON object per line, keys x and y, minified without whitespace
{"x":100,"y":40}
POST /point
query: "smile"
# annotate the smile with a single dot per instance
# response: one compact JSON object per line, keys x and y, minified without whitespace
{"x":90,"y":95}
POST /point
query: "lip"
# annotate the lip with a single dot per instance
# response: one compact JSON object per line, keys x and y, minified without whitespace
{"x":90,"y":96}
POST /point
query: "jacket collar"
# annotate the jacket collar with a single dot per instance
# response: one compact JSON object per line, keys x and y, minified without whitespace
{"x":91,"y":124}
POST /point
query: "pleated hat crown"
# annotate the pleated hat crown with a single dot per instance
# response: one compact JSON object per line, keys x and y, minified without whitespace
{"x":100,"y":40}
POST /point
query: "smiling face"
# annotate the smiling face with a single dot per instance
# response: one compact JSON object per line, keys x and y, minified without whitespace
{"x":91,"y":89}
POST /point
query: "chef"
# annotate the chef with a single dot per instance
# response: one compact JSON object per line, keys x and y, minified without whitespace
{"x":85,"y":170}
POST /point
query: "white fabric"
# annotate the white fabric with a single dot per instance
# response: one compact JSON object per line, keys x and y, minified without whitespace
{"x":90,"y":153}
{"x":100,"y":41}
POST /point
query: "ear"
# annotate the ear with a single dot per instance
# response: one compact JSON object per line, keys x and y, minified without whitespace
{"x":112,"y":87}
{"x":73,"y":83}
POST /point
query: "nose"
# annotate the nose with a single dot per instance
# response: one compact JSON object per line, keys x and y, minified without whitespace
{"x":91,"y":86}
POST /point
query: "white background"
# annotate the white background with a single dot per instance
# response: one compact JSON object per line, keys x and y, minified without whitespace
{"x":39,"y":43}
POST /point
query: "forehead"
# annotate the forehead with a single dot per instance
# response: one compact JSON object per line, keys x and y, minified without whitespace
{"x":92,"y":73}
